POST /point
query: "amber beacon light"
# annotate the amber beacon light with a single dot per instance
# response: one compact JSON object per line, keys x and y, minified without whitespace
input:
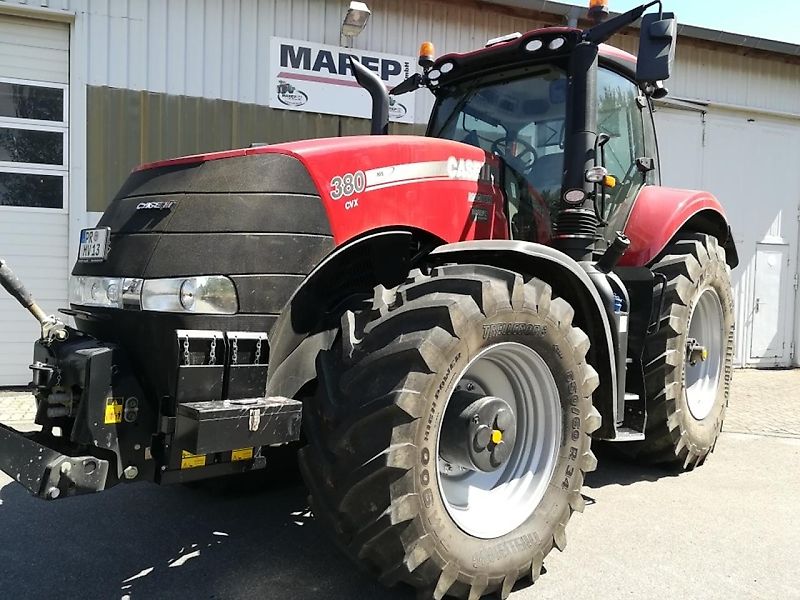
{"x":427,"y":54}
{"x":598,"y":10}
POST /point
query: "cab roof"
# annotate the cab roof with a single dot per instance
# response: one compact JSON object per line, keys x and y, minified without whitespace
{"x":547,"y":42}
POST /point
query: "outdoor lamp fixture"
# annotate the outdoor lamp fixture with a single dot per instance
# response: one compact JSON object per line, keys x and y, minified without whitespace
{"x":354,"y":22}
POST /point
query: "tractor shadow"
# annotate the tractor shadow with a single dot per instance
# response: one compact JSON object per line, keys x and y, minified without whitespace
{"x":140,"y":541}
{"x":211,"y":541}
{"x":615,"y":469}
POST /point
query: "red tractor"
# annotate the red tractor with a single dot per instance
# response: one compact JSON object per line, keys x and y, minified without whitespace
{"x":443,"y":324}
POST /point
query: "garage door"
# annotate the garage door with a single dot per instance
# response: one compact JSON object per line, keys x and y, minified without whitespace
{"x":749,"y":161}
{"x":34,"y":152}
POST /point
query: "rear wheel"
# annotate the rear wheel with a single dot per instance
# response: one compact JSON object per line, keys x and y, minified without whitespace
{"x":450,"y":435}
{"x":688,"y":361}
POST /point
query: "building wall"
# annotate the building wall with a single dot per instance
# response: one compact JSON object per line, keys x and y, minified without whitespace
{"x":126,"y":128}
{"x":219,"y":48}
{"x":134,"y":59}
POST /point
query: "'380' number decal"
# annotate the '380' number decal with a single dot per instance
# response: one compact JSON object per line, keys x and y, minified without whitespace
{"x":343,"y":186}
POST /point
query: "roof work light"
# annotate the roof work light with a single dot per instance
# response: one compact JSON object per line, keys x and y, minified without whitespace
{"x":598,"y":10}
{"x":355,"y":19}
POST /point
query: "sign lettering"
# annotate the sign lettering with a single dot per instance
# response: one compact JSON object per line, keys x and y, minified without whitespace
{"x":313,"y":77}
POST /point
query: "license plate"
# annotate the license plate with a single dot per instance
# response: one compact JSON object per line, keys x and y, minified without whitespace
{"x":94,"y":244}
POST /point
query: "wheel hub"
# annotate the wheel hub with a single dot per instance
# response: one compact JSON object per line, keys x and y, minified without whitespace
{"x":704,"y":360}
{"x":478,"y":432}
{"x":494,"y":472}
{"x":695,"y":352}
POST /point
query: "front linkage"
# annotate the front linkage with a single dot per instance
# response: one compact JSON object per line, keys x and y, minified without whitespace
{"x":99,"y":426}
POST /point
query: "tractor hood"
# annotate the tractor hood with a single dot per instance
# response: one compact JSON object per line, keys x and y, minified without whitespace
{"x":265,"y":217}
{"x":365,"y":183}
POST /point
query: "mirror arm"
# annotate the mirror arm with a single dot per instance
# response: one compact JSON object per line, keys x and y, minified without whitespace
{"x":602,"y":32}
{"x":411,"y":84}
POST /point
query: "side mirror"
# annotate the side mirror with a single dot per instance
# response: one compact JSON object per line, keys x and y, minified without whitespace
{"x":656,"y":47}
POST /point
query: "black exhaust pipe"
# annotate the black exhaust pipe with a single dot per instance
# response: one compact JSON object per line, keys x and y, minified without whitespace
{"x":377,"y":91}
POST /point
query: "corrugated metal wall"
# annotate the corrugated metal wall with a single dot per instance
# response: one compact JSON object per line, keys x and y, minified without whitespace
{"x":126,"y":128}
{"x":219,"y":48}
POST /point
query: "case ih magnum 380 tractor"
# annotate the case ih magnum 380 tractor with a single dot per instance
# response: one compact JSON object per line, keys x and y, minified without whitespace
{"x":443,"y":323}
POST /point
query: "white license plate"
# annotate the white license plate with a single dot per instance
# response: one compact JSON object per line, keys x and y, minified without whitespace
{"x":94,"y":244}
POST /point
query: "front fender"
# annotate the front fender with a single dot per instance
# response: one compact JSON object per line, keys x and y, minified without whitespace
{"x":569,"y":281}
{"x":309,"y":322}
{"x":659,"y":213}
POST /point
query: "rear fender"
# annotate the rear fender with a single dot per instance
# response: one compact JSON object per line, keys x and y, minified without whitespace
{"x":659,"y":213}
{"x":569,"y":281}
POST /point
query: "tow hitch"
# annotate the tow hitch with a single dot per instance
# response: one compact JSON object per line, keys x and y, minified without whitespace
{"x":46,"y":472}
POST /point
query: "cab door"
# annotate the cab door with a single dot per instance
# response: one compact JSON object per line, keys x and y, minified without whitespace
{"x":624,"y":114}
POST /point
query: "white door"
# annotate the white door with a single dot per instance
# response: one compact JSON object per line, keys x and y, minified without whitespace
{"x":751,"y":165}
{"x":680,"y":146}
{"x":769,"y":339}
{"x":34,"y":172}
{"x":749,"y":162}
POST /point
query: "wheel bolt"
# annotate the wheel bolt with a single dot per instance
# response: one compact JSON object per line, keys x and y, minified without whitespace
{"x":483,"y":436}
{"x":500,"y":453}
{"x":503,"y":420}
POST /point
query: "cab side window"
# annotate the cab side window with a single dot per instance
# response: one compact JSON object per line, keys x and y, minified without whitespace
{"x":620,"y":117}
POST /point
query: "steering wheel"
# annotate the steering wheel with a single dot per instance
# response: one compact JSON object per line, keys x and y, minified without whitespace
{"x":520,"y":162}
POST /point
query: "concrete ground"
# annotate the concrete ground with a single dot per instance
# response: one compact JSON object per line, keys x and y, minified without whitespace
{"x":727,"y":530}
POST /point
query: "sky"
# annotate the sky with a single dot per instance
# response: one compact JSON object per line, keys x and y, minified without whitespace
{"x":770,"y":19}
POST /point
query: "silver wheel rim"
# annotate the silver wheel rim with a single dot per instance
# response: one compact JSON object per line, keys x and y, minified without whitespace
{"x":702,"y":379}
{"x":490,"y":505}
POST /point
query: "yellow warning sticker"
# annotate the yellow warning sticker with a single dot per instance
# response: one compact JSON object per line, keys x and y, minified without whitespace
{"x":242,"y":454}
{"x":113,"y":413}
{"x":190,"y":461}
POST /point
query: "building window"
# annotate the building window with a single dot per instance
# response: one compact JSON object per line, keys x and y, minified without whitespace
{"x":34,"y":153}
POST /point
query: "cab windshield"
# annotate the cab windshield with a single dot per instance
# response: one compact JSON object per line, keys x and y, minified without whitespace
{"x":522,"y":121}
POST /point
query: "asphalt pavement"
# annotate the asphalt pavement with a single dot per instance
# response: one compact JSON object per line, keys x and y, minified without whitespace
{"x":730,"y":529}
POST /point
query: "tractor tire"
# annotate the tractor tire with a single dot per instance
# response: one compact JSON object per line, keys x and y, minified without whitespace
{"x":472,"y":339}
{"x":687,"y":402}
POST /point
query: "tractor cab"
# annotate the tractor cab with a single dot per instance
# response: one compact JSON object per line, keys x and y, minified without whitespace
{"x":570,"y":116}
{"x":521,"y":116}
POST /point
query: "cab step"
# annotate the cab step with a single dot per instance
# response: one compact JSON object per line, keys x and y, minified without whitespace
{"x":625,"y":434}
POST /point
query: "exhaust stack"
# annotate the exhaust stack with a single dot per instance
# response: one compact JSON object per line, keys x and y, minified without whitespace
{"x":377,"y":91}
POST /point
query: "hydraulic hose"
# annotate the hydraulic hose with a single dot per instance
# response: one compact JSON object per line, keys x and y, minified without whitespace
{"x":13,"y":285}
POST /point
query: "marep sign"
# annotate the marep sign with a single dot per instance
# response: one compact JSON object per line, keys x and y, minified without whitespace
{"x":317,"y":78}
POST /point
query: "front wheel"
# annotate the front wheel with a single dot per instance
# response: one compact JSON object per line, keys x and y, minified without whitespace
{"x":451,"y":432}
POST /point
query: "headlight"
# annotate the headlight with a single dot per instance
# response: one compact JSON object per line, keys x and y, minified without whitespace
{"x":96,"y":291}
{"x":204,"y":295}
{"x":212,"y":294}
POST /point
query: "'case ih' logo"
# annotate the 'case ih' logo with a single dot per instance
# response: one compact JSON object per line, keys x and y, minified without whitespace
{"x":464,"y":168}
{"x":155,"y":205}
{"x":290,"y":95}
